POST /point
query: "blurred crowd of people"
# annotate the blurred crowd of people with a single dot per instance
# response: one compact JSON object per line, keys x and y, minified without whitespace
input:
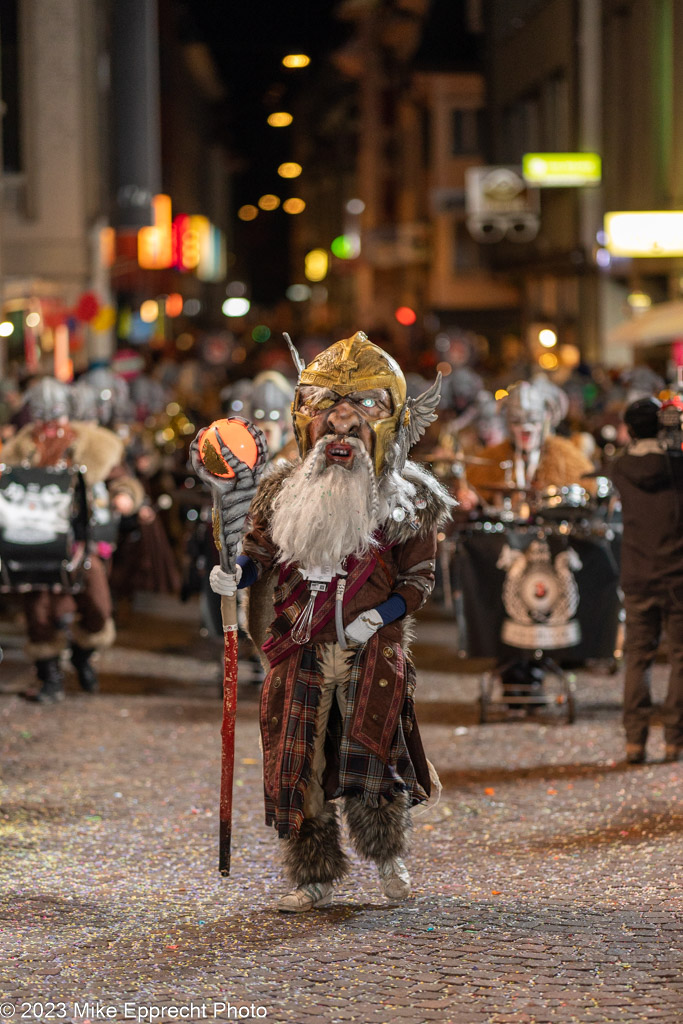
{"x":128,"y":426}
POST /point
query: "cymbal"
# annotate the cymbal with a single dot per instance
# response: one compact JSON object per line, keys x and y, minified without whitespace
{"x":504,"y":488}
{"x":445,"y":456}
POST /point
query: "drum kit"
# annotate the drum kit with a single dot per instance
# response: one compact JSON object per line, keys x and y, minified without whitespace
{"x":517,"y":519}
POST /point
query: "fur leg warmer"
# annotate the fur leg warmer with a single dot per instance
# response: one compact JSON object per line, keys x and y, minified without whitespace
{"x":316,"y":855}
{"x":379,"y":833}
{"x":94,"y":641}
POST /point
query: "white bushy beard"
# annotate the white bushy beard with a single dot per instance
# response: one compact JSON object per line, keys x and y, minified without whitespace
{"x":325,"y":513}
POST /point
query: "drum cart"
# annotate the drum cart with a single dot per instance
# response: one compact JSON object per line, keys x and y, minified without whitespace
{"x":43,"y":529}
{"x":533,"y":590}
{"x":558,"y":694}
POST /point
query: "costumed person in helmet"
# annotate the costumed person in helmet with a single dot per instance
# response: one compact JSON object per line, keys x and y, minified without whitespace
{"x":531,"y":460}
{"x":533,"y":457}
{"x":53,"y":438}
{"x":348,"y":537}
{"x":649,"y":479}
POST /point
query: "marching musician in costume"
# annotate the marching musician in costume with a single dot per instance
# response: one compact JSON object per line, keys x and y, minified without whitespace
{"x":531,"y":460}
{"x":348,"y":538}
{"x":533,"y":457}
{"x":53,"y":438}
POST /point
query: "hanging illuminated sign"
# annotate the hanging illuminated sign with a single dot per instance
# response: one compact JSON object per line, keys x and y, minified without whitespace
{"x":155,"y":246}
{"x":644,"y":233}
{"x":561,"y":170}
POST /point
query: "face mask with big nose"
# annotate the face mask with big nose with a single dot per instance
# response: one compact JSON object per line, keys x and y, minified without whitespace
{"x":345,"y":417}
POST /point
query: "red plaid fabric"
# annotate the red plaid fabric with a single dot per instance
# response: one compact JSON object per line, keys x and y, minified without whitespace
{"x":360,"y":772}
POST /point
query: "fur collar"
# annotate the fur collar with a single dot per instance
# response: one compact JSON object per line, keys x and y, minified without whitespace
{"x":96,"y":448}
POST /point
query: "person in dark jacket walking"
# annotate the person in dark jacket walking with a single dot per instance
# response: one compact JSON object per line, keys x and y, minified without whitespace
{"x":649,"y":478}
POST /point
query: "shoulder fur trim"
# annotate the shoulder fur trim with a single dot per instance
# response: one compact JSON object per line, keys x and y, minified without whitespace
{"x":98,"y":449}
{"x":437,"y":509}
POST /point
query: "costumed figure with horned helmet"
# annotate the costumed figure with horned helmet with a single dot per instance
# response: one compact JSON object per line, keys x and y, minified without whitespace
{"x":347,"y":538}
{"x":533,"y":457}
{"x":55,"y":439}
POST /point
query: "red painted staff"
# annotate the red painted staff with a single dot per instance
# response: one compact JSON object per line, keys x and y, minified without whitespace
{"x":229,"y":456}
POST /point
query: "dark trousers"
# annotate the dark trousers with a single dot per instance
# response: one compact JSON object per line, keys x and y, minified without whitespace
{"x":647,"y":617}
{"x":92,"y":605}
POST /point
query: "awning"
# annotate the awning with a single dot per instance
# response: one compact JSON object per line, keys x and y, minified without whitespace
{"x":662,"y":322}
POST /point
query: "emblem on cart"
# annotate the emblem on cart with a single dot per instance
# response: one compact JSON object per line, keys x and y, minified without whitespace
{"x":540,"y":595}
{"x":33,"y":514}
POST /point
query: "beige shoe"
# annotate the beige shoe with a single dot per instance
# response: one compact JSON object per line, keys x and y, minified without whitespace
{"x":306,"y":897}
{"x":672,"y":753}
{"x":394,"y":878}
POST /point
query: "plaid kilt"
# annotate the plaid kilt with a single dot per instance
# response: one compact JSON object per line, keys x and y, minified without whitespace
{"x":359,"y":772}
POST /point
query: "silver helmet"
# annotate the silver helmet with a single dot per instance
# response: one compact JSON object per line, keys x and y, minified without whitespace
{"x":48,"y":399}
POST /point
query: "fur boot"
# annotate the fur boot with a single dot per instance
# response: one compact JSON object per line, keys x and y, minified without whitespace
{"x":379,"y":833}
{"x":316,"y":855}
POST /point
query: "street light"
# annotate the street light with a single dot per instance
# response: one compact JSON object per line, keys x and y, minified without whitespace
{"x":279,"y":119}
{"x":296,"y":60}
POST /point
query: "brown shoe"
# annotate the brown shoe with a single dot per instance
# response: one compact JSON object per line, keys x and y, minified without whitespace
{"x":672,"y":753}
{"x":635,"y":753}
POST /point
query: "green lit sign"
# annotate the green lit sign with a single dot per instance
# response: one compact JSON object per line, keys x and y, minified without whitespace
{"x":561,"y":170}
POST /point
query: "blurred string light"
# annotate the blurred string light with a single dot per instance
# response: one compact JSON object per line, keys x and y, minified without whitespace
{"x":261,"y":333}
{"x":174,"y":304}
{"x":296,"y":60}
{"x":236,"y":289}
{"x":444,"y":369}
{"x":298,"y":292}
{"x":191,"y":307}
{"x":636,"y":300}
{"x":294,"y":205}
{"x":236,"y":306}
{"x":269,"y":202}
{"x":547,"y":338}
{"x":279,"y":119}
{"x":316,"y":263}
{"x":184,"y":341}
{"x":247,"y":212}
{"x":603,"y":258}
{"x":149,"y":311}
{"x":290,"y":169}
{"x":500,"y":393}
{"x":33,"y":320}
{"x":355,"y":206}
{"x":548,"y":360}
{"x":406,"y":316}
{"x":6,"y":328}
{"x":569,"y":355}
{"x":345,"y":247}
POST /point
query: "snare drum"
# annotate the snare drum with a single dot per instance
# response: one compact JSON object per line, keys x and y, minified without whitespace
{"x":43,"y":520}
{"x":571,"y":503}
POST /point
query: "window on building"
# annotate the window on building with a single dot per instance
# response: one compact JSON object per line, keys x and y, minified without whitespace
{"x":466,"y":132}
{"x":10,"y":105}
{"x":555,"y":114}
{"x":466,"y":252}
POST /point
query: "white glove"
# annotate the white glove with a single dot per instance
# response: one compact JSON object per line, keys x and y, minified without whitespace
{"x":366,"y":625}
{"x":225,"y":583}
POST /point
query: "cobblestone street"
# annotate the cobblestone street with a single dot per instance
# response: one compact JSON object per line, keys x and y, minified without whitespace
{"x":547,"y":880}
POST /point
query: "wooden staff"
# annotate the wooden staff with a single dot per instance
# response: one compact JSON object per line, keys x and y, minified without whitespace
{"x":229,"y":457}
